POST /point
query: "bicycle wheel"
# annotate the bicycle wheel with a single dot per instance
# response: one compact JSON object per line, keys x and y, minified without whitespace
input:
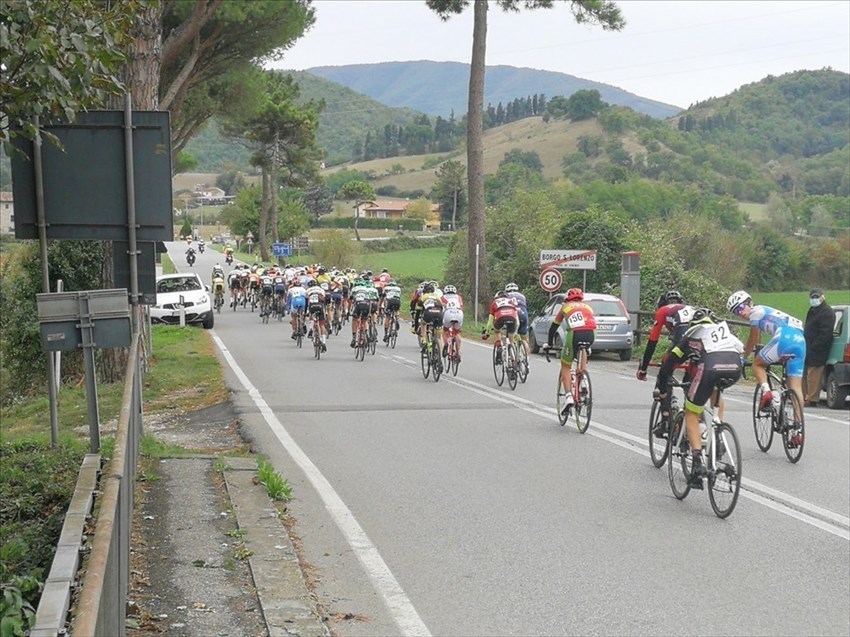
{"x":522,"y":363}
{"x":584,"y":405}
{"x":498,"y":364}
{"x":393,"y":336}
{"x":362,"y":345}
{"x":264,"y":312}
{"x":679,"y":459}
{"x":560,"y":397}
{"x":764,"y":422}
{"x":317,"y":345}
{"x":436,"y":362}
{"x":454,"y":360}
{"x":793,"y":431}
{"x":658,"y":447}
{"x":425,"y":362}
{"x":724,"y":478}
{"x":511,"y":366}
{"x":299,"y":335}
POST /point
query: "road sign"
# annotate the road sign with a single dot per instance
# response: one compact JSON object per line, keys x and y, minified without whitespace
{"x":568,"y":259}
{"x":551,"y":280}
{"x":281,"y":249}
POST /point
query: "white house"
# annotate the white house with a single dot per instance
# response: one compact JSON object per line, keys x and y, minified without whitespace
{"x":7,"y":213}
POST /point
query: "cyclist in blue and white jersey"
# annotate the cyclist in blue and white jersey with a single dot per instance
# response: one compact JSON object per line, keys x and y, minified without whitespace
{"x":512,"y":290}
{"x":787,"y":338}
{"x":296,"y":302}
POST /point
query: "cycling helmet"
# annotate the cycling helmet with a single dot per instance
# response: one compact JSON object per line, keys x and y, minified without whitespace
{"x":322,"y":270}
{"x":575,"y":294}
{"x":668,"y":297}
{"x":311,"y":283}
{"x":511,"y":287}
{"x":254,"y":268}
{"x":450,"y":289}
{"x":428,"y":289}
{"x":368,"y":272}
{"x":737,"y":300}
{"x":703,"y":315}
{"x":392,"y":282}
{"x":501,"y":294}
{"x":385,"y":270}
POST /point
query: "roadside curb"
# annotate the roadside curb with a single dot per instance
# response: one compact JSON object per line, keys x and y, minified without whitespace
{"x":286,"y":602}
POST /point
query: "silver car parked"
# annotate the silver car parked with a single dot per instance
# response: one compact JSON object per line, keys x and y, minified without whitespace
{"x":614,"y":331}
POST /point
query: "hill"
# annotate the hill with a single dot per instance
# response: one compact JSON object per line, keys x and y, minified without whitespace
{"x":438,"y":88}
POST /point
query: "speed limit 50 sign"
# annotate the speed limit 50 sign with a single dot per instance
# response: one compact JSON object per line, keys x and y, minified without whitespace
{"x":550,"y":280}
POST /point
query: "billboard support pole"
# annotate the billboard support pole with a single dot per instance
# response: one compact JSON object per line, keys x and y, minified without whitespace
{"x":45,"y":276}
{"x":132,"y":250}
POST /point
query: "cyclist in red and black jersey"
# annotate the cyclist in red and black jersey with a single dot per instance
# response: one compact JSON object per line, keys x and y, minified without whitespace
{"x":672,"y":315}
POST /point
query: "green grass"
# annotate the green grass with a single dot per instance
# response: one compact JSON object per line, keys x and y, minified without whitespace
{"x":167,"y":265}
{"x":423,"y":263}
{"x":755,"y":211}
{"x":797,"y":303}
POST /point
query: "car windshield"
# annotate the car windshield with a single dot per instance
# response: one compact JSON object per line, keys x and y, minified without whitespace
{"x":181,"y":284}
{"x":606,"y":308}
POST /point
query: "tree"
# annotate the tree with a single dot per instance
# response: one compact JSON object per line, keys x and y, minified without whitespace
{"x":360,"y":192}
{"x":230,"y":181}
{"x":59,"y":58}
{"x":419,"y":209}
{"x":529,"y":159}
{"x":601,"y":12}
{"x":584,"y":104}
{"x":450,"y":180}
{"x":318,"y":200}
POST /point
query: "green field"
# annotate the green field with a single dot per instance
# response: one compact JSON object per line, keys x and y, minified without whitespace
{"x":797,"y":303}
{"x":424,"y":263}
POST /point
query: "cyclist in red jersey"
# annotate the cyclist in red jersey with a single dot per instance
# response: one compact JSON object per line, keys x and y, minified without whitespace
{"x":673,"y":315}
{"x":504,"y":312}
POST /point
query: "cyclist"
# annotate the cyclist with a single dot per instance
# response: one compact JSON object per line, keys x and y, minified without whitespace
{"x":581,"y":328}
{"x":266,"y":291}
{"x":715,"y":356}
{"x":296,"y":303}
{"x":503,"y":313}
{"x":228,"y":255}
{"x":218,"y":282}
{"x":416,"y":307}
{"x":316,"y":308}
{"x":217,"y":272}
{"x":674,"y":317}
{"x":234,"y":281}
{"x":279,"y":289}
{"x":360,"y":309}
{"x":392,"y":296}
{"x":432,"y":312}
{"x":452,"y":318}
{"x":786,"y":339}
{"x":512,"y":290}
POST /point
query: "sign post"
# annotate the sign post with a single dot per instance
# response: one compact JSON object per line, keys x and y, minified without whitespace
{"x":569,"y":260}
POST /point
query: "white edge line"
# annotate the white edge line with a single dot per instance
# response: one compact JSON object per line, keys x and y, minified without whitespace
{"x":399,"y":605}
{"x":749,"y":488}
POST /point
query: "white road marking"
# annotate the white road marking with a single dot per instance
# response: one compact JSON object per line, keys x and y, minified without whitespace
{"x":780,"y":501}
{"x":399,"y":605}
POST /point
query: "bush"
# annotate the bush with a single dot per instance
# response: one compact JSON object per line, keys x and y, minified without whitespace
{"x":406,"y":243}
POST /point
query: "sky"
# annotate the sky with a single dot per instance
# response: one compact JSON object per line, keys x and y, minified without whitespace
{"x":677,"y":51}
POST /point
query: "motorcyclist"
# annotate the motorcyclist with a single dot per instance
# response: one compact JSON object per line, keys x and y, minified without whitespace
{"x":201,"y":246}
{"x":190,"y":256}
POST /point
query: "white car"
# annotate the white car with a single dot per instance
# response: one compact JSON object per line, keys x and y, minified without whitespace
{"x":187,"y":289}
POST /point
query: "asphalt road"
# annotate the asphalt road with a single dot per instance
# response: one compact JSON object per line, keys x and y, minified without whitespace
{"x":460,"y":508}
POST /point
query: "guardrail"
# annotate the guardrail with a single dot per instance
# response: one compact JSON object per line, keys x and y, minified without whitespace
{"x":101,"y":608}
{"x":642,"y":314}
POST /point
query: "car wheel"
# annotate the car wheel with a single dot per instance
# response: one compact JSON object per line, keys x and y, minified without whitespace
{"x":209,"y":321}
{"x":532,"y":342}
{"x":625,"y":354}
{"x":835,"y":393}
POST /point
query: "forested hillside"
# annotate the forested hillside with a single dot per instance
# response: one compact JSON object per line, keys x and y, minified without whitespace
{"x":440,"y":88}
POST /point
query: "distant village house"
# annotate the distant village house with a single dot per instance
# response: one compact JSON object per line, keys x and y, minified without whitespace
{"x":7,"y":213}
{"x":389,"y":209}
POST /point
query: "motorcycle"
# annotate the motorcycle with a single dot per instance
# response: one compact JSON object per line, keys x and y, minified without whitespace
{"x":201,"y":248}
{"x":190,"y":259}
{"x":228,"y":259}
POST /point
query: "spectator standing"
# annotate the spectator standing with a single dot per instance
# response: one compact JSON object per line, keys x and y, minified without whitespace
{"x":820,"y":321}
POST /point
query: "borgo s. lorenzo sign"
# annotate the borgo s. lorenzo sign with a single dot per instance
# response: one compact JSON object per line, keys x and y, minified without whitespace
{"x":568,"y":259}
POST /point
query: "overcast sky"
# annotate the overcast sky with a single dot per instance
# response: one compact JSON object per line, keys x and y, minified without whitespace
{"x":677,"y":51}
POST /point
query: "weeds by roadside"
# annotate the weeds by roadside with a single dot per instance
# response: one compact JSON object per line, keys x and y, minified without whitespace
{"x":276,"y":485}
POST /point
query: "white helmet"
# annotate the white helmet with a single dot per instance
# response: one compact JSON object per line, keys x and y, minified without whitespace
{"x":450,"y":289}
{"x":511,"y":287}
{"x":740,"y":297}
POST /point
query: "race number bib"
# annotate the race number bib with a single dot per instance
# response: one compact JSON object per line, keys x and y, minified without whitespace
{"x":452,"y":304}
{"x":718,"y":339}
{"x":576,"y":320}
{"x":685,"y":314}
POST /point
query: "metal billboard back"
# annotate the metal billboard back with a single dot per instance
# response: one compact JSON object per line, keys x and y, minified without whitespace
{"x":85,"y":191}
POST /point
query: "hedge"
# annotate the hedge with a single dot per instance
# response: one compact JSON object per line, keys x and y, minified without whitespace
{"x":371,"y":224}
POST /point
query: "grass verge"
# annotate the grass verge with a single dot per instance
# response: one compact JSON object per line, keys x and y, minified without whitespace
{"x":37,"y":481}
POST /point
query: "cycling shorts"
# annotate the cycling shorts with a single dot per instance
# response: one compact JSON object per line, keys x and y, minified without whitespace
{"x":523,"y":322}
{"x":453,"y":314}
{"x":361,"y":310}
{"x":336,"y":297}
{"x":433,"y":316}
{"x":373,"y":306}
{"x":235,"y":284}
{"x":723,"y":368}
{"x":267,"y":290}
{"x":298,"y":303}
{"x":393,"y":305}
{"x":508,"y":322}
{"x":571,"y":344}
{"x":279,"y":288}
{"x":788,"y":341}
{"x":317,"y":311}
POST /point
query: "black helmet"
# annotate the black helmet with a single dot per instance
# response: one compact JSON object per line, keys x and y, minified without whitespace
{"x":670,"y":296}
{"x":428,"y":288}
{"x":704,"y":315}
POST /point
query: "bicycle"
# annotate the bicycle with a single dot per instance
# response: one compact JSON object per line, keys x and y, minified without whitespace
{"x":784,"y":421}
{"x":318,"y":346}
{"x":337,"y":321}
{"x":299,"y":328}
{"x":361,"y":343}
{"x":452,"y":358}
{"x":656,"y":455}
{"x":218,"y":298}
{"x":265,"y":310}
{"x":430,"y":358}
{"x":505,"y":360}
{"x":582,"y":391}
{"x":721,"y":454}
{"x":522,"y":358}
{"x":392,"y":333}
{"x":372,"y":335}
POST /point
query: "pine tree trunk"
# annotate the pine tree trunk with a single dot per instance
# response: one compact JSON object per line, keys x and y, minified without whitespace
{"x":475,"y":154}
{"x":265,"y":202}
